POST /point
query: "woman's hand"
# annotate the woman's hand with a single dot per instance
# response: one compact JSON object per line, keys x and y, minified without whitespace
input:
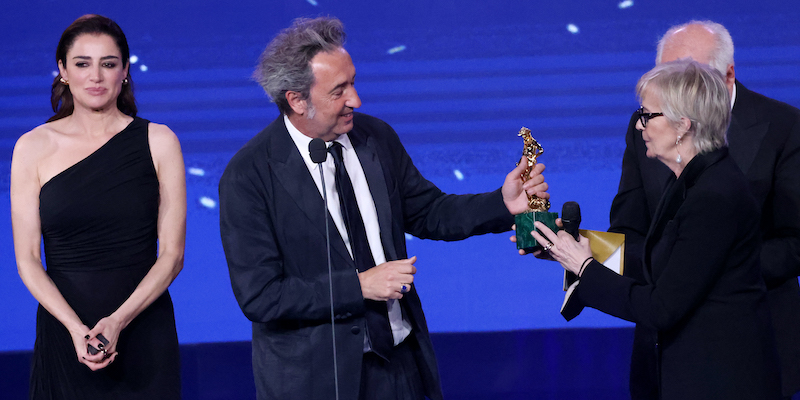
{"x":81,"y":339}
{"x":563,"y":247}
{"x":107,"y":328}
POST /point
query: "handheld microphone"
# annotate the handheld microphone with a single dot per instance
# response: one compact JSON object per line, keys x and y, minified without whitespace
{"x":319,"y":153}
{"x":571,"y":220}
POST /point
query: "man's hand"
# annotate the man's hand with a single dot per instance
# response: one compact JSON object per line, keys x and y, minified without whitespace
{"x":389,"y":280}
{"x":515,"y":191}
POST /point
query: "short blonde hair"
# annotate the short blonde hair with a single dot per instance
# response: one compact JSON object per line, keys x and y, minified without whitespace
{"x":686,"y":88}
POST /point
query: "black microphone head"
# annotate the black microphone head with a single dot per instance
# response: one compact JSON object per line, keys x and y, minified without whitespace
{"x":571,"y":218}
{"x":571,"y":212}
{"x":318,"y":150}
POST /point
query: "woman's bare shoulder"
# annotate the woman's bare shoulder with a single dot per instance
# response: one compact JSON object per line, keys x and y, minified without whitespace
{"x":160,"y":131}
{"x":160,"y":136}
{"x":37,"y":141}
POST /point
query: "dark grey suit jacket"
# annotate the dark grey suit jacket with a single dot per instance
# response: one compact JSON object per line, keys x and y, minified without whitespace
{"x":703,"y":293}
{"x":272,"y":222}
{"x":764,"y":141}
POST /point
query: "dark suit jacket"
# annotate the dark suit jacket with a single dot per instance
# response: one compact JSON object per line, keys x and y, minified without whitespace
{"x":272,"y":222}
{"x":703,"y":292}
{"x":764,"y":141}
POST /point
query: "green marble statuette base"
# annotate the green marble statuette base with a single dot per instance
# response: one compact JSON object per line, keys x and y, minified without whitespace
{"x":524,"y":222}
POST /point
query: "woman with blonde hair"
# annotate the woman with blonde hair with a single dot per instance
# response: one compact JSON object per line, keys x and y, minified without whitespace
{"x":704,"y":297}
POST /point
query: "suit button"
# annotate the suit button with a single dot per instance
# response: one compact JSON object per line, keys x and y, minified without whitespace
{"x":356,"y":330}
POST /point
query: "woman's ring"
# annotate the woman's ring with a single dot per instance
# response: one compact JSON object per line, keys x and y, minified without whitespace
{"x":548,"y":246}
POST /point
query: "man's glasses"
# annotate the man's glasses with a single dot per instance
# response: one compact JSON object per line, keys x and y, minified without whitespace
{"x":644,"y":117}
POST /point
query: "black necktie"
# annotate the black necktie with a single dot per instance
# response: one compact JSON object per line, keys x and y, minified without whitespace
{"x":378,"y":328}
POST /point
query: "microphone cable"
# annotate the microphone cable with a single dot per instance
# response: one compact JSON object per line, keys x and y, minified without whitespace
{"x":319,"y":153}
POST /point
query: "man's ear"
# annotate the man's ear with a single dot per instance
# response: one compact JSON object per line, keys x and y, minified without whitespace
{"x":296,"y":102}
{"x":730,"y":78}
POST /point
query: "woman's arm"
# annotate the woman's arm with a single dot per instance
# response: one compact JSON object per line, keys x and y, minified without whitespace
{"x":27,"y":233}
{"x":704,"y":238}
{"x":168,"y":160}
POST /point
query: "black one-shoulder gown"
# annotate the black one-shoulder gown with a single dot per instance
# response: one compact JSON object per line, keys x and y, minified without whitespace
{"x":99,"y":227}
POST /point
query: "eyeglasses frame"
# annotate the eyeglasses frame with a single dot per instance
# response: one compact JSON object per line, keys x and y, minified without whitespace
{"x":645,"y":117}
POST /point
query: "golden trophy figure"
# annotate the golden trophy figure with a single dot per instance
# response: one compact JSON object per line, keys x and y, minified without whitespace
{"x":538,"y":208}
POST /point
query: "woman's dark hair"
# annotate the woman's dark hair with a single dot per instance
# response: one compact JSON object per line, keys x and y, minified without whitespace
{"x":61,"y":97}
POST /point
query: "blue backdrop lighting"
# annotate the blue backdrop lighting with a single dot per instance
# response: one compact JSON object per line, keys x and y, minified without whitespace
{"x":456,"y":79}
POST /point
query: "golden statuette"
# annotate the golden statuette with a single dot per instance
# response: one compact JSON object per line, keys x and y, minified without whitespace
{"x":531,"y":151}
{"x":538,"y":208}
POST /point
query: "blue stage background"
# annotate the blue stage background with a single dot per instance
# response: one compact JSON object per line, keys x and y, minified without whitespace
{"x":456,"y":79}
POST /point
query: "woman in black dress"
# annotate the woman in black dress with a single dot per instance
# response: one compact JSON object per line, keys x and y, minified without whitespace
{"x":104,"y":191}
{"x":704,"y":295}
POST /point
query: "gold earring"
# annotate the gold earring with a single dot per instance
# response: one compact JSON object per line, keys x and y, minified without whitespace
{"x":63,"y":81}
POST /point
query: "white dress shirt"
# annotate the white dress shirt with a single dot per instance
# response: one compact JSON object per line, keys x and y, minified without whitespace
{"x":366,"y":205}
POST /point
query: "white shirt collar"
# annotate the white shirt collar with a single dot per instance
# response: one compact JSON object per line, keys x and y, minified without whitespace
{"x":733,"y":96}
{"x":302,"y":141}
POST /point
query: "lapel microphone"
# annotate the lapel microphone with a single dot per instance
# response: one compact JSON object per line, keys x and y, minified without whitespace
{"x":318,"y":151}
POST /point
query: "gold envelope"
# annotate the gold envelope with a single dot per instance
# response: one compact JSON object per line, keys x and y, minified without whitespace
{"x":605,"y":248}
{"x":608,"y":248}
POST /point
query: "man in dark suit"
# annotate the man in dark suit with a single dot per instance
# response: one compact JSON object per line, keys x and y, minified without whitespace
{"x":764,"y":141}
{"x":273,"y":227}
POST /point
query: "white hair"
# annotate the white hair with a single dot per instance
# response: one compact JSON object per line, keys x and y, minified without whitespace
{"x":722,"y":54}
